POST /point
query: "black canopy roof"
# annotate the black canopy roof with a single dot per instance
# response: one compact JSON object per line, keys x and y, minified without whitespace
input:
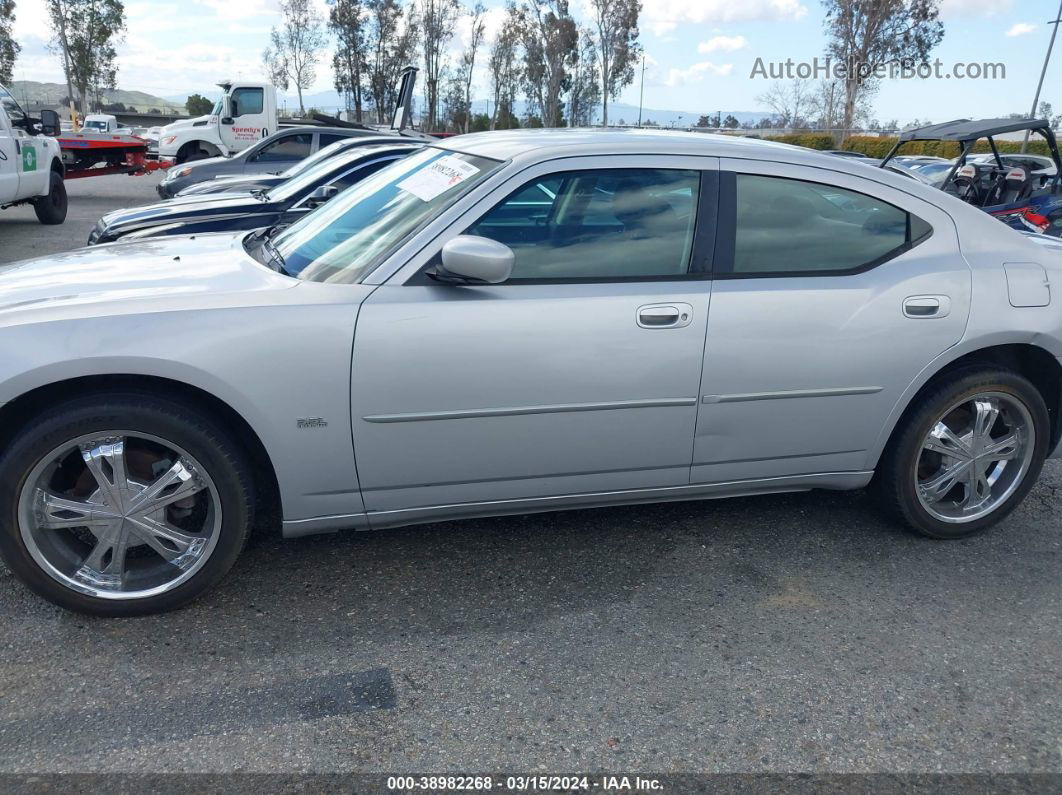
{"x":967,"y":130}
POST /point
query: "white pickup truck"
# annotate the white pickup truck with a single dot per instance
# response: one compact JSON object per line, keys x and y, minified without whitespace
{"x":31,"y":168}
{"x":246,"y":113}
{"x":104,"y":123}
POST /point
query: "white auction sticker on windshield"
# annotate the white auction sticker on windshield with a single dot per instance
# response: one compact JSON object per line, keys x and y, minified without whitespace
{"x":440,"y":176}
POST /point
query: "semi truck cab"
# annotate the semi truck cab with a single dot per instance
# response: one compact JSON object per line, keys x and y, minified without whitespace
{"x":246,"y":112}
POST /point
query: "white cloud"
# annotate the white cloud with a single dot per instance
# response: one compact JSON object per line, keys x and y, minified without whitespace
{"x":722,"y":43}
{"x":957,"y":9}
{"x":662,"y":16}
{"x":696,"y":73}
{"x":1020,"y":29}
{"x":242,"y":10}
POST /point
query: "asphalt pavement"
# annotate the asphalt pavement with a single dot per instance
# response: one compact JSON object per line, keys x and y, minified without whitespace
{"x":793,"y":633}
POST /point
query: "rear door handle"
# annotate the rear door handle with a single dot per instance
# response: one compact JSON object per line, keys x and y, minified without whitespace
{"x":927,"y":306}
{"x":665,"y":315}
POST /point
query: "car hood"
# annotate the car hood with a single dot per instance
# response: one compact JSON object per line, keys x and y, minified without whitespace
{"x":167,"y":273}
{"x":182,"y":208}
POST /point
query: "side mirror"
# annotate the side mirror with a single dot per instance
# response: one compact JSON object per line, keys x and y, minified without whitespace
{"x":476,"y":259}
{"x":50,"y":123}
{"x":321,"y":194}
{"x":228,"y":120}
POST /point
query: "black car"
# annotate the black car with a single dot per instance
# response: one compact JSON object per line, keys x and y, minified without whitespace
{"x":271,"y":155}
{"x":245,"y":183}
{"x":230,"y":212}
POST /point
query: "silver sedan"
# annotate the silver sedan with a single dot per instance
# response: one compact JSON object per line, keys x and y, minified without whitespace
{"x":515,"y":322}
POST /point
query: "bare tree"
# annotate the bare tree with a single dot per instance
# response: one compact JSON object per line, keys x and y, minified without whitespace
{"x":346,"y":20}
{"x":390,"y":37}
{"x":468,"y":58}
{"x":585,"y":91}
{"x":550,"y":48}
{"x":617,"y":45}
{"x":437,"y":20}
{"x":503,"y":63}
{"x":9,"y":48}
{"x":790,"y":102}
{"x":868,"y":34}
{"x":86,"y":32}
{"x":295,"y":48}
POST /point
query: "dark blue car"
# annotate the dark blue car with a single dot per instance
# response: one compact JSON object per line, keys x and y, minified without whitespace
{"x":232,"y":212}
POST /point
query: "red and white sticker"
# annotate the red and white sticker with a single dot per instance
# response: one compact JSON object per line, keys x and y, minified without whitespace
{"x":438,"y":177}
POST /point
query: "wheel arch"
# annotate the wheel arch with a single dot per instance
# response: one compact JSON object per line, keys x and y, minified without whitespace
{"x":190,"y":147}
{"x":1032,"y":361}
{"x":17,"y":412}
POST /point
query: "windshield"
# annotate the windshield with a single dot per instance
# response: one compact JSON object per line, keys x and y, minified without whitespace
{"x":13,"y":110}
{"x":95,"y":125}
{"x":314,"y":159}
{"x":311,"y":178}
{"x":343,"y":239}
{"x":216,"y":110}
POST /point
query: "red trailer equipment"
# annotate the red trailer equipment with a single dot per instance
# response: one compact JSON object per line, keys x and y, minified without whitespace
{"x":94,"y":154}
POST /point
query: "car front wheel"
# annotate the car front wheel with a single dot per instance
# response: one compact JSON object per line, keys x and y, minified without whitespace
{"x":123,"y":504}
{"x":967,"y":454}
{"x":51,"y":209}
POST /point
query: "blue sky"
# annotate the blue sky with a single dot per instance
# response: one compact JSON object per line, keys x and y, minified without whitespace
{"x":699,"y":52}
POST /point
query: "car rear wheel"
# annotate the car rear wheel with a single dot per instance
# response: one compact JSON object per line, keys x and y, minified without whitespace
{"x":123,"y":504}
{"x":967,"y":454}
{"x":51,"y":209}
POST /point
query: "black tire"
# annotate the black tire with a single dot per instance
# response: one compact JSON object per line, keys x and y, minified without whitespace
{"x":894,"y":482}
{"x":203,"y":438}
{"x":51,"y":209}
{"x":189,"y":155}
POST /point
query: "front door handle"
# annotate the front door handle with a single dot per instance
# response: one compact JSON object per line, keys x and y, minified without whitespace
{"x":665,"y":315}
{"x":927,"y":306}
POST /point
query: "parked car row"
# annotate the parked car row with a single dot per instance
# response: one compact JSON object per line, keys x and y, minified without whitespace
{"x":512,"y":322}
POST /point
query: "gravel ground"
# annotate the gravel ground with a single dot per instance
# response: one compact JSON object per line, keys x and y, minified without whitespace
{"x":784,"y":633}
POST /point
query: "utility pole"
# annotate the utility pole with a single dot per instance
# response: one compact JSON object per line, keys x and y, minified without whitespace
{"x":641,"y":91}
{"x":1043,"y":72}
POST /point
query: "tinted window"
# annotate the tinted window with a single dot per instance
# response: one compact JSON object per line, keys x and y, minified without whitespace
{"x":246,"y":100}
{"x":288,"y":147}
{"x":790,"y":226}
{"x":605,"y":224}
{"x":324,"y":139}
{"x":348,"y":178}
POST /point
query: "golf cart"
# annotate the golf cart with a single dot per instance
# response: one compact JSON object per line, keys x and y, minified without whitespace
{"x":1017,"y":196}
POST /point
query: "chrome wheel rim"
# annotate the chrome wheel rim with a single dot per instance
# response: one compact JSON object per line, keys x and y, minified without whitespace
{"x":119,"y":515}
{"x":974,"y":457}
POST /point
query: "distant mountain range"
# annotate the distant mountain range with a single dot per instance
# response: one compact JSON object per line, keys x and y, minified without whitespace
{"x":53,"y":94}
{"x":331,"y":102}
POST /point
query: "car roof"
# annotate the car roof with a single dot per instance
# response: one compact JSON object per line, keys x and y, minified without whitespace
{"x":971,"y":130}
{"x":570,"y":141}
{"x":359,"y":152}
{"x":312,"y":128}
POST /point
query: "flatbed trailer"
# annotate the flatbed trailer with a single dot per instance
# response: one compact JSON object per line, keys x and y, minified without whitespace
{"x":97,"y":154}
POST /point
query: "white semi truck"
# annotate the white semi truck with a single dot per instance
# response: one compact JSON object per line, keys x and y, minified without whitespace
{"x":247,"y":112}
{"x":31,"y":166}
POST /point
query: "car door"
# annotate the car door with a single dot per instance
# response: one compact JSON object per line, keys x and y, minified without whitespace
{"x":9,"y":166}
{"x":831,"y":293}
{"x":280,"y":153}
{"x":578,"y":375}
{"x":247,"y":121}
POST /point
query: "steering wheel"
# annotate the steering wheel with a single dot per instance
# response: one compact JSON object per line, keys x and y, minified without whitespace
{"x":966,"y":189}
